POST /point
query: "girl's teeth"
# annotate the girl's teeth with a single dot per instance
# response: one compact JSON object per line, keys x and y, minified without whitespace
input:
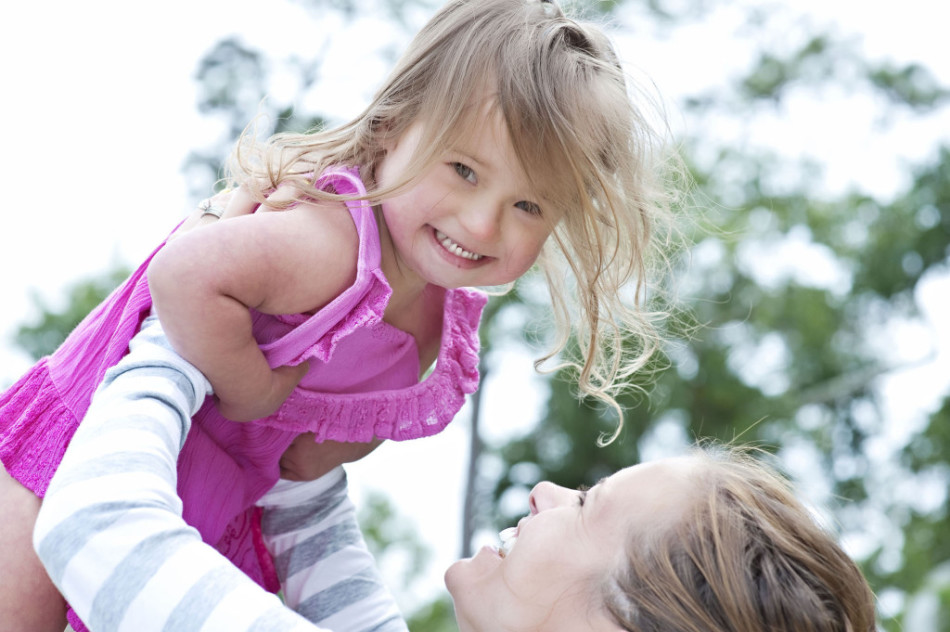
{"x":454,"y":248}
{"x":508,"y":538}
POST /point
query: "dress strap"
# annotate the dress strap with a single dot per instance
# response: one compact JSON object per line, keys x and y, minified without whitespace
{"x":358,"y":305}
{"x":346,"y":181}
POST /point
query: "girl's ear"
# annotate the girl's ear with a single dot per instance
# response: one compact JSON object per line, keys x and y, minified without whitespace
{"x":387,"y":143}
{"x":384,"y":135}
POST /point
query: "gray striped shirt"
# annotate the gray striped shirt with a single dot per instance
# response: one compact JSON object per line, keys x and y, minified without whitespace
{"x":112,"y":538}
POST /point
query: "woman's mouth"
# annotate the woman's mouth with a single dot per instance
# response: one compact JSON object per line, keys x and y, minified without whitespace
{"x":455,"y":248}
{"x":508,"y":538}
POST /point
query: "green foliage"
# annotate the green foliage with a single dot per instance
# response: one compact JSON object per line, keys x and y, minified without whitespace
{"x":394,"y":542}
{"x":913,"y":85}
{"x":44,"y":336}
{"x":234,"y":86}
{"x":436,"y":616}
{"x":773,"y":73}
{"x":943,"y":609}
{"x":386,"y":532}
{"x":779,"y":351}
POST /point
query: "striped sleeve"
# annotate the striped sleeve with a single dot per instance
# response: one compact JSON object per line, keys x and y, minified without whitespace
{"x":110,"y":531}
{"x":327,"y":573}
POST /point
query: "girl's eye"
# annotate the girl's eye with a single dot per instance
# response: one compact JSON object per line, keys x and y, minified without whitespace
{"x":529,"y":207}
{"x":464,"y":171}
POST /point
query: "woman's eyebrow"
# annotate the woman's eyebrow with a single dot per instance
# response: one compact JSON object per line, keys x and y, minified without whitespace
{"x":590,"y":490}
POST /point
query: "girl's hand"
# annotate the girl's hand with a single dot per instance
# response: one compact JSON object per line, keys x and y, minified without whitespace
{"x":248,"y":405}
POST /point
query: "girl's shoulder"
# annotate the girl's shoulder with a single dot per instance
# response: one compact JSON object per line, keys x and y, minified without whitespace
{"x":294,"y":254}
{"x":288,"y":261}
{"x":319,"y":246}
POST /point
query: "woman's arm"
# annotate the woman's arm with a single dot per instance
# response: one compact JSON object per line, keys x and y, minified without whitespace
{"x":326,"y":571}
{"x":110,"y":531}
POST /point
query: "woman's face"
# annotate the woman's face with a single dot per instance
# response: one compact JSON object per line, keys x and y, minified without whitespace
{"x":565,"y":548}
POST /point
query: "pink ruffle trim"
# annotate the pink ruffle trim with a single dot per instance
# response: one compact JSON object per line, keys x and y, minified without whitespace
{"x":75,"y":621}
{"x":369,"y":310}
{"x":35,"y":428}
{"x":420,"y":410}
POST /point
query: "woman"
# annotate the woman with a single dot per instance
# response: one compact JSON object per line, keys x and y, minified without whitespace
{"x":710,"y":541}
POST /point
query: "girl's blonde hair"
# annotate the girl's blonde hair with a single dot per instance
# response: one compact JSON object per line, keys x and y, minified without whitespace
{"x":746,"y":556}
{"x":564,"y":99}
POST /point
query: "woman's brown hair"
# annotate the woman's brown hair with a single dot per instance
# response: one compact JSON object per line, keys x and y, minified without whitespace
{"x":746,"y":556}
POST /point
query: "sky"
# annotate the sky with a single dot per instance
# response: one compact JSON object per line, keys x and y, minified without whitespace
{"x":81,"y":199}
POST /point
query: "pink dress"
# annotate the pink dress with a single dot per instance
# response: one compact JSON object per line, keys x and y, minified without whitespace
{"x":363,"y":383}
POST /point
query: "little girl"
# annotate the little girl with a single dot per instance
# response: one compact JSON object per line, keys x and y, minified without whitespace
{"x":504,"y":137}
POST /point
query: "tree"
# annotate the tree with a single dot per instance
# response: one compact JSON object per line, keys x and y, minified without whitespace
{"x":777,"y":339}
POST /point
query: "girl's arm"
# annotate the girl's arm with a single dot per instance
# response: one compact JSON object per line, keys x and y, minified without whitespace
{"x":278,"y":262}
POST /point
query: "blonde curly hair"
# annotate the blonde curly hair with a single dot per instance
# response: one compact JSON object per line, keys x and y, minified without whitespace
{"x":568,"y":108}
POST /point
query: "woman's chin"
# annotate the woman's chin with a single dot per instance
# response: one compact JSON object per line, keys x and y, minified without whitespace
{"x":469,"y":575}
{"x":459,"y":575}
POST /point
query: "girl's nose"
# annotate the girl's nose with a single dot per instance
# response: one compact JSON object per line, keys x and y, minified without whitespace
{"x":482,"y":219}
{"x":547,"y":495}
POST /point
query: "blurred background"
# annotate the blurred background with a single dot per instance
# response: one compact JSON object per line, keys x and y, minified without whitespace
{"x":812,"y":306}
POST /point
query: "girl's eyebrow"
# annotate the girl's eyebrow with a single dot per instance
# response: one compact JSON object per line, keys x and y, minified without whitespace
{"x":469,"y":156}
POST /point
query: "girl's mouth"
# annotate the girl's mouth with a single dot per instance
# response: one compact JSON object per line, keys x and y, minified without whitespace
{"x":455,"y":248}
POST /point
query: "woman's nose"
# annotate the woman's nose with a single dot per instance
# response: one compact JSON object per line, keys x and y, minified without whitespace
{"x":547,"y":495}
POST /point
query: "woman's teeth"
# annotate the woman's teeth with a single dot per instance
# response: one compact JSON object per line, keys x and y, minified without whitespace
{"x":508,"y":538}
{"x":454,"y":248}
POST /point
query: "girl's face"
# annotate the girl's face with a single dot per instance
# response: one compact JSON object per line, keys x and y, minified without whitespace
{"x":569,"y":544}
{"x":471,"y":219}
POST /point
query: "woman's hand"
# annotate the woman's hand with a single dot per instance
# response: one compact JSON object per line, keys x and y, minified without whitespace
{"x":224,"y":205}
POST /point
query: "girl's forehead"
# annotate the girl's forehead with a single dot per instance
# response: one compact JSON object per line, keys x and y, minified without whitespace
{"x":482,"y":123}
{"x":480,"y":112}
{"x":480,"y":132}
